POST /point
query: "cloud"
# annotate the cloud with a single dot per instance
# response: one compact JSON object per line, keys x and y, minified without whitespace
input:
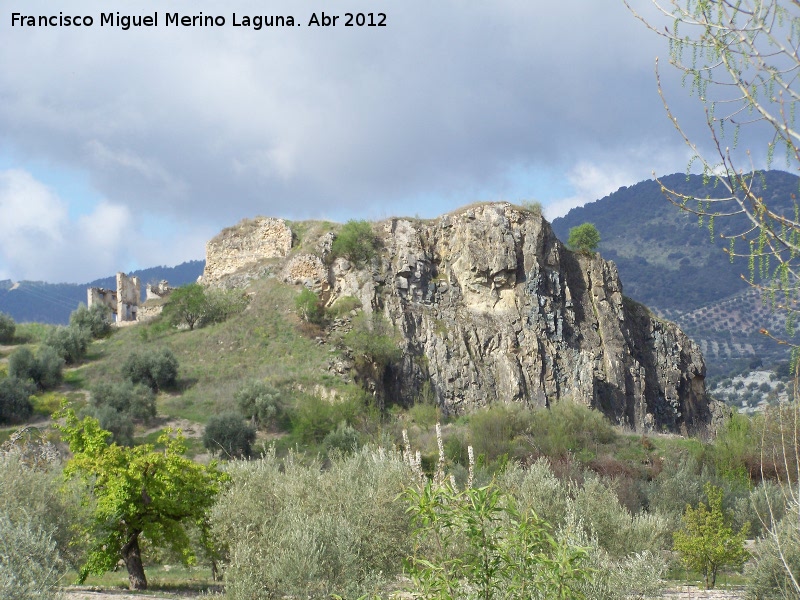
{"x":40,"y":241}
{"x":204,"y":126}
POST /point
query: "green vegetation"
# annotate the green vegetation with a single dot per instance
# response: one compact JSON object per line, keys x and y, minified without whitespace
{"x":584,"y":238}
{"x":261,"y":402}
{"x":15,"y":403}
{"x":95,"y":320}
{"x":71,"y":343}
{"x":157,"y":369}
{"x":7,"y":329}
{"x":44,"y":369}
{"x":309,"y":307}
{"x":136,"y":492}
{"x":706,"y":543}
{"x":229,"y":436}
{"x":193,"y":305}
{"x":356,"y":242}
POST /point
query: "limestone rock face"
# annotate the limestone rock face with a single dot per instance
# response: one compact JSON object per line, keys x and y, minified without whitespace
{"x":491,"y":307}
{"x":245,"y":245}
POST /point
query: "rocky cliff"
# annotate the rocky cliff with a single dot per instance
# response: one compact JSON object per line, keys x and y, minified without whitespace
{"x":491,"y":307}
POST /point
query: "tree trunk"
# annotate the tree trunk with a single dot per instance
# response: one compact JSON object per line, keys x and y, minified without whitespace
{"x":133,"y":562}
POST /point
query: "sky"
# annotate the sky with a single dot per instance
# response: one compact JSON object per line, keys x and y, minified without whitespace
{"x":124,"y":149}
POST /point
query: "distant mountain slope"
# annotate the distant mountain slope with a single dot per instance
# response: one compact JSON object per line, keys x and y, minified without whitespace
{"x":669,"y":263}
{"x":666,"y":260}
{"x":53,"y":302}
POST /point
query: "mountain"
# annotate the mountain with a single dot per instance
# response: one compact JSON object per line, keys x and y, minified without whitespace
{"x":671,"y":263}
{"x":53,"y":302}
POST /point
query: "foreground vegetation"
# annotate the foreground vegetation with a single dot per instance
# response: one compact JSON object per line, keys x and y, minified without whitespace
{"x":325,"y":489}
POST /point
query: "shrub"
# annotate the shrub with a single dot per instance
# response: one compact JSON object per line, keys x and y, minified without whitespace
{"x":344,"y":439}
{"x":71,"y":343}
{"x":261,"y":402}
{"x":295,"y":529}
{"x":314,"y":418}
{"x":157,"y":369}
{"x":31,"y":566}
{"x":374,"y":344}
{"x":309,"y":306}
{"x":15,"y":403}
{"x":344,"y":305}
{"x":774,"y":572}
{"x":568,"y":428}
{"x":7,"y":328}
{"x":135,"y":401}
{"x":356,"y":242}
{"x":44,"y":369}
{"x":229,"y":436}
{"x":96,"y":320}
{"x":118,"y":424}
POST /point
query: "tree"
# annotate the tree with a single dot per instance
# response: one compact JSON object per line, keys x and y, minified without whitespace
{"x":15,"y":403}
{"x":137,"y":492}
{"x":228,"y":435}
{"x":71,"y":343}
{"x":707,"y":542}
{"x":260,"y":402}
{"x":157,"y":369}
{"x":356,"y":242}
{"x":584,"y":238}
{"x":7,"y":329}
{"x":96,"y":320}
{"x":44,"y":369}
{"x":186,"y":305}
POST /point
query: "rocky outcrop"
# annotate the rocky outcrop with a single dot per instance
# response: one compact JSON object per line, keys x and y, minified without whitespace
{"x":491,"y":307}
{"x":245,"y":245}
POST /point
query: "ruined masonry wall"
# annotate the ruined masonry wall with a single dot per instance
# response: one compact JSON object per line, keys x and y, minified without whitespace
{"x":244,"y":245}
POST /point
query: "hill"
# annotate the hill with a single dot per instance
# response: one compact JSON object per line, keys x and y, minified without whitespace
{"x":29,"y":301}
{"x":671,"y":263}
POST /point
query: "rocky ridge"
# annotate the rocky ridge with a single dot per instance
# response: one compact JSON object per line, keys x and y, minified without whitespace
{"x":491,"y":307}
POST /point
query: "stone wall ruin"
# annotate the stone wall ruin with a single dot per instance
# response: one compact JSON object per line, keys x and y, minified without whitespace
{"x":123,"y":302}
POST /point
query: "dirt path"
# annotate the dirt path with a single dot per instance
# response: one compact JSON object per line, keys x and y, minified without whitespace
{"x":682,"y":593}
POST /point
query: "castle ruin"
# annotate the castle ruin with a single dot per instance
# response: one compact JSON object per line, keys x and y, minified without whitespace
{"x":123,"y":302}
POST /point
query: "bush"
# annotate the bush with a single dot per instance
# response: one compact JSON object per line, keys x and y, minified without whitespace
{"x":567,"y":428}
{"x":261,"y":402}
{"x":7,"y":329}
{"x":297,"y":530}
{"x":344,"y":440}
{"x":45,"y":369}
{"x":776,"y":561}
{"x":118,"y":424}
{"x":96,"y":320}
{"x":344,"y":305}
{"x":135,"y":401}
{"x":229,"y":436}
{"x":71,"y":343}
{"x":309,"y":306}
{"x":314,"y":418}
{"x":31,"y":566}
{"x":356,"y":242}
{"x":15,"y":403}
{"x":374,"y":343}
{"x":157,"y":369}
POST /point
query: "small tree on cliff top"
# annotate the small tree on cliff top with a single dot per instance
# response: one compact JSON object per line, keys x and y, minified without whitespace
{"x":584,"y":238}
{"x":138,"y":492}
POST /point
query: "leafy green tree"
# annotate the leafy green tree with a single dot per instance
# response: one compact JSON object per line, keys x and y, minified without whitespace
{"x":186,"y":305}
{"x":584,"y":238}
{"x":229,"y":436}
{"x":707,"y":542}
{"x":7,"y":328}
{"x":309,"y":306}
{"x":96,"y":320}
{"x":15,"y":403}
{"x":137,"y":492}
{"x":356,"y":242}
{"x":157,"y":369}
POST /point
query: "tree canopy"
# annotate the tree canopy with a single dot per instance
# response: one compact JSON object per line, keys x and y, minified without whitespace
{"x":138,"y":492}
{"x":584,"y":238}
